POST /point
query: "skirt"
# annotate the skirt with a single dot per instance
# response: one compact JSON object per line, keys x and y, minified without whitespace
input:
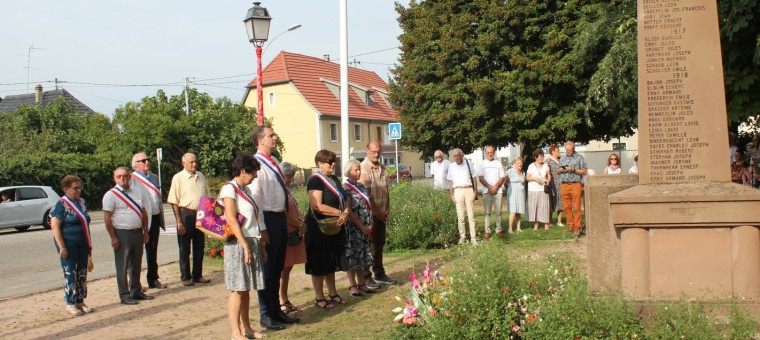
{"x":538,"y":206}
{"x":358,"y":251}
{"x":238,"y":276}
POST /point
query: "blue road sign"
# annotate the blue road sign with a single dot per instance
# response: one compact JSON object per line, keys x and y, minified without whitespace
{"x":394,"y":131}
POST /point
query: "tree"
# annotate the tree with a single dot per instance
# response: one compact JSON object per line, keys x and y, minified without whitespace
{"x":483,"y":72}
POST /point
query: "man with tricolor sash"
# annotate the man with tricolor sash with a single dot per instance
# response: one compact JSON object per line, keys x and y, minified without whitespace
{"x":142,"y":178}
{"x":270,"y":192}
{"x":126,"y":218}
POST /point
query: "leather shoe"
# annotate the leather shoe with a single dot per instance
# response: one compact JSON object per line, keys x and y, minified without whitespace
{"x":202,"y":280}
{"x":268,"y":323}
{"x":128,"y":301}
{"x":187,"y":283}
{"x":141,"y":296}
{"x":284,"y":318}
{"x":157,"y":284}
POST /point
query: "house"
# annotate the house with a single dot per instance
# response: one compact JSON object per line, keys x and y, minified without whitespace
{"x":43,"y":98}
{"x":302,"y":97}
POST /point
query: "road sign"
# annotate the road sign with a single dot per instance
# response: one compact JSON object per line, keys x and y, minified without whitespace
{"x":394,"y":131}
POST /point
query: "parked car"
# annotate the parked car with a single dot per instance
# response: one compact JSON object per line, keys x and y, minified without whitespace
{"x":405,"y":170}
{"x":28,"y":205}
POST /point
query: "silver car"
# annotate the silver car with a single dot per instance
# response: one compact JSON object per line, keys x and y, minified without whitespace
{"x":26,"y":205}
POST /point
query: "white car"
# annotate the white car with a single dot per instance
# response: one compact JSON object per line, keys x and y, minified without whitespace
{"x":27,"y":205}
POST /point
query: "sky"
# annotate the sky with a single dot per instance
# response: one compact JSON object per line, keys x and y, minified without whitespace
{"x":107,"y":53}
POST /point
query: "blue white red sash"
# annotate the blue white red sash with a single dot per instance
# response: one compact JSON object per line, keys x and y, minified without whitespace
{"x":332,"y":188}
{"x":146,"y":182}
{"x":360,"y":192}
{"x":246,"y":197}
{"x":272,"y":165}
{"x":82,"y":219}
{"x":131,"y":204}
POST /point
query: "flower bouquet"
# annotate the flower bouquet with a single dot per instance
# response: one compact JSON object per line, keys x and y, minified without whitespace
{"x":425,"y":299}
{"x":212,"y":221}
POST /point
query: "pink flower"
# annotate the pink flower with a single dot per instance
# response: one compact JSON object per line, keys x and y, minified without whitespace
{"x":411,"y":311}
{"x":515,"y":329}
{"x":426,"y":273}
{"x":408,"y":320}
{"x":433,"y":312}
{"x":416,"y":284}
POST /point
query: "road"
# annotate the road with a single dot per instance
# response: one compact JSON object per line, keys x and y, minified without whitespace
{"x":29,"y":262}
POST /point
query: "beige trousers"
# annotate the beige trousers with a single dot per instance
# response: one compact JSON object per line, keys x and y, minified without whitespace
{"x":464,"y":198}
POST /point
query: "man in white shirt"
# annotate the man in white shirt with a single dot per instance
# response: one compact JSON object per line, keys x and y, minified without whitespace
{"x":492,"y":177}
{"x":440,"y":170}
{"x":270,"y":192}
{"x":148,"y":182}
{"x":464,"y":191}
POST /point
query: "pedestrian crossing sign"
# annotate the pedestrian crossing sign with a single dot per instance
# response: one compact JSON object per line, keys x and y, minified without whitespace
{"x":394,"y":131}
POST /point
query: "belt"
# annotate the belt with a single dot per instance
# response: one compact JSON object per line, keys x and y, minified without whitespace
{"x":135,"y":230}
{"x":463,"y":187}
{"x":274,"y":212}
{"x":183,"y":209}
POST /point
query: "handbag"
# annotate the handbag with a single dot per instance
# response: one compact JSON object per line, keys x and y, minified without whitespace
{"x":294,"y":238}
{"x":211,"y":221}
{"x":328,"y":225}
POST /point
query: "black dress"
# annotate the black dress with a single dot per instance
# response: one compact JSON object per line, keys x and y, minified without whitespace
{"x":324,"y":254}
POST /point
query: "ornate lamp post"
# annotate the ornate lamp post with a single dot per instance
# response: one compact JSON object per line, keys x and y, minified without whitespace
{"x":257,"y":25}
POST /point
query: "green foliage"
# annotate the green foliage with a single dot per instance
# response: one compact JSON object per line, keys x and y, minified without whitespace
{"x":497,"y":296}
{"x":421,"y":218}
{"x":42,"y":145}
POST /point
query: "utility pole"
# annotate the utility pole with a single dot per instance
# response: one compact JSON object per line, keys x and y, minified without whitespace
{"x":28,"y":64}
{"x":56,"y":84}
{"x":187,"y":98}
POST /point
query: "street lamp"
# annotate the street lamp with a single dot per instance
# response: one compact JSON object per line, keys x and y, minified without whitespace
{"x":257,"y":25}
{"x":291,"y":28}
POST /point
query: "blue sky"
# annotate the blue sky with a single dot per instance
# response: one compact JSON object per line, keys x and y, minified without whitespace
{"x":92,"y":46}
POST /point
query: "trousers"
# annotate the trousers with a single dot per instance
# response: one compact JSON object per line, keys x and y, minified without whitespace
{"x":128,"y":261}
{"x":269,"y":297}
{"x":492,"y":203}
{"x":151,"y":249}
{"x":465,"y":198}
{"x":193,"y":239}
{"x":571,"y":200}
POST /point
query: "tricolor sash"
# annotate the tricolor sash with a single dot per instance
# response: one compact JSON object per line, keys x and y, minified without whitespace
{"x":270,"y":163}
{"x":333,"y":188}
{"x":360,"y":192}
{"x":82,"y":220}
{"x":246,"y":197}
{"x":122,"y":195}
{"x":146,"y":182}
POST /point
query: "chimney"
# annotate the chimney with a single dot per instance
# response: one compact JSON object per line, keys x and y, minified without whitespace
{"x":38,"y":94}
{"x":326,"y":57}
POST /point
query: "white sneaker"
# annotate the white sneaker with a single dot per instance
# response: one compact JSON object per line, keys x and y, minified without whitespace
{"x":462,"y":241}
{"x":474,"y":242}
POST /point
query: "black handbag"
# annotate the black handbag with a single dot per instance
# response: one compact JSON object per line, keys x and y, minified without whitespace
{"x":548,"y":188}
{"x":294,"y":238}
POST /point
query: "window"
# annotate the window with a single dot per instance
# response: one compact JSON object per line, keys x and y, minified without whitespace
{"x":379,"y":133}
{"x":271,"y":98}
{"x":333,"y":132}
{"x":357,"y":132}
{"x":31,"y":194}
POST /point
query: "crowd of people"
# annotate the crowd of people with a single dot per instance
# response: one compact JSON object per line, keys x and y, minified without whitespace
{"x":344,"y":230}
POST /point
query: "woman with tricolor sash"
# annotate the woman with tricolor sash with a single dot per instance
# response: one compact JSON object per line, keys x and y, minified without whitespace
{"x":71,"y":232}
{"x":358,"y":229}
{"x":243,"y":254}
{"x":325,"y":254}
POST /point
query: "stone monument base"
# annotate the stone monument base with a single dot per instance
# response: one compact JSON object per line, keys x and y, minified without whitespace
{"x":699,"y":239}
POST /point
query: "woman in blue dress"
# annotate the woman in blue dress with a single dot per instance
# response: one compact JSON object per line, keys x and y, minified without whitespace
{"x":516,"y":194}
{"x":71,"y":231}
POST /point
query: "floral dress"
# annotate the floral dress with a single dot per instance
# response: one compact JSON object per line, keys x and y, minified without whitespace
{"x":556,"y":198}
{"x":358,"y":251}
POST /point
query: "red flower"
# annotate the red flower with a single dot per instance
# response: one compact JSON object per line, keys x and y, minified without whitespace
{"x":506,"y":290}
{"x":436,"y":216}
{"x":221,"y":253}
{"x":532,"y":317}
{"x":531,"y":283}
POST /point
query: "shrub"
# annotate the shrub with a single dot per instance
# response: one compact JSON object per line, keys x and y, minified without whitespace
{"x":214,"y":248}
{"x":421,"y":218}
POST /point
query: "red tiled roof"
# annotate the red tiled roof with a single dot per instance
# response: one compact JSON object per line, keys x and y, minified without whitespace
{"x":307,"y":74}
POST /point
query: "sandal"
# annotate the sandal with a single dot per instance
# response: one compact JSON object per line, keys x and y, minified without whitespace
{"x":358,"y":292}
{"x":73,"y":310}
{"x":84,"y":308}
{"x":336,"y":299}
{"x":255,"y":335}
{"x":323,"y":303}
{"x":288,"y":308}
{"x":364,"y":288}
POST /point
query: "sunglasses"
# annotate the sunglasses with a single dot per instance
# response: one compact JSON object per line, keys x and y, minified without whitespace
{"x":143,"y":160}
{"x":331,"y":162}
{"x":613,"y":159}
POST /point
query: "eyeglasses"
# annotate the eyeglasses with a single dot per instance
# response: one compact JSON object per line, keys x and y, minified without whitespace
{"x":331,"y":162}
{"x":613,"y":159}
{"x":122,"y":176}
{"x":76,"y":188}
{"x":143,"y":160}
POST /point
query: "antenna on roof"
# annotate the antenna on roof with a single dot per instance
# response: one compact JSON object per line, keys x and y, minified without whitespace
{"x":28,"y":63}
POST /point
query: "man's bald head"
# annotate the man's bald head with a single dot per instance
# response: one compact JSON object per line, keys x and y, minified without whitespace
{"x":189,"y":162}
